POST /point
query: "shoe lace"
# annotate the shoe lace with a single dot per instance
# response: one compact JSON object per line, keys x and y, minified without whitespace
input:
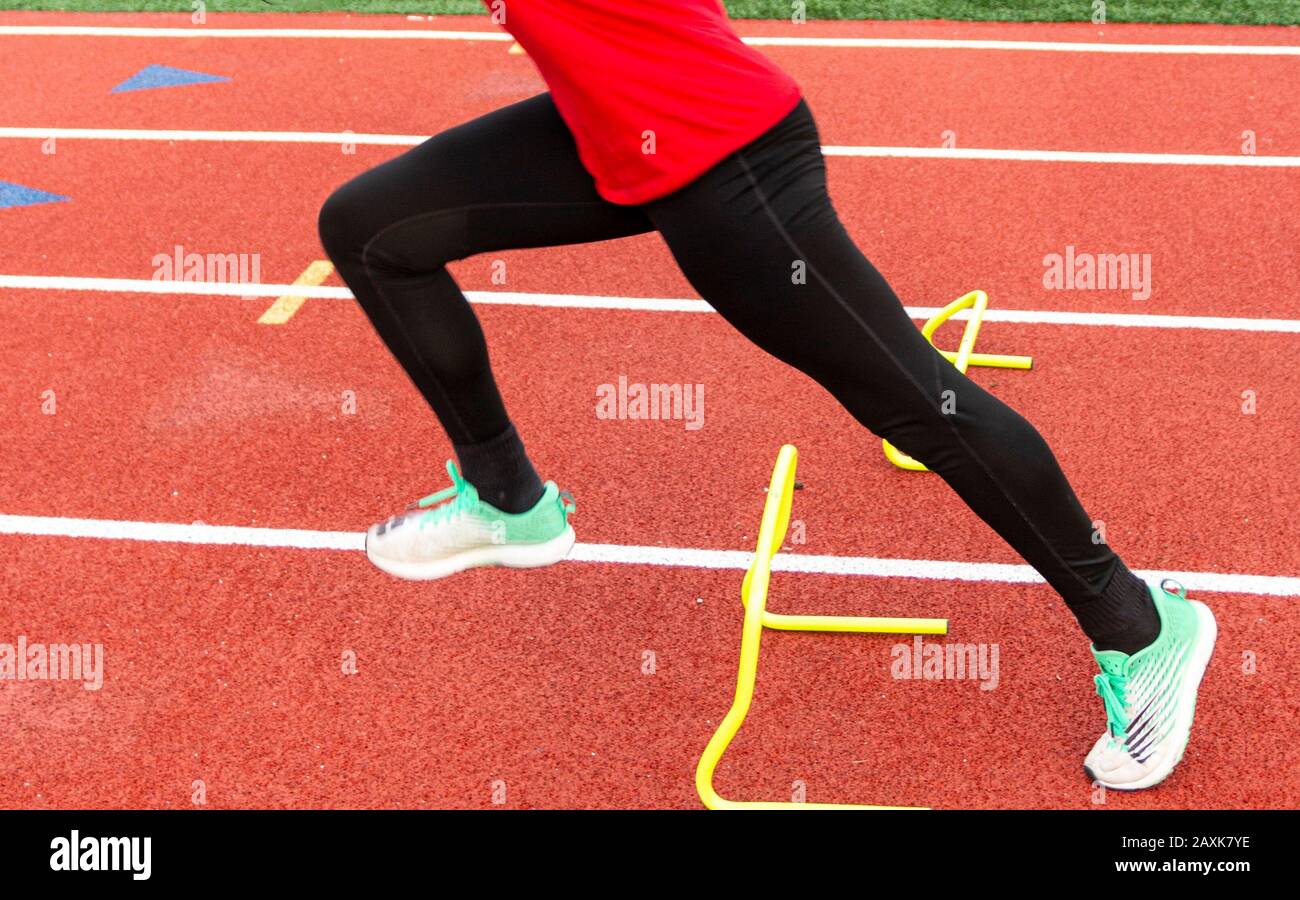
{"x":462,"y":495}
{"x":1111,"y":687}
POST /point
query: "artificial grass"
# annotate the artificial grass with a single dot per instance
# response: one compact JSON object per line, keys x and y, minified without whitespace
{"x":1240,"y":12}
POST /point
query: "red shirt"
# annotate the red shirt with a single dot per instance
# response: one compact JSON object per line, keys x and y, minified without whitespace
{"x":656,"y":92}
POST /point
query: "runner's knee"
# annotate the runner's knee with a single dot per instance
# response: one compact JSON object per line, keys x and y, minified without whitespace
{"x":366,"y":237}
{"x":341,"y":224}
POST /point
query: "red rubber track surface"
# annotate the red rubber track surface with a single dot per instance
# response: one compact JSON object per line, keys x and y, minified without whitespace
{"x":1221,"y":240}
{"x":223,"y":662}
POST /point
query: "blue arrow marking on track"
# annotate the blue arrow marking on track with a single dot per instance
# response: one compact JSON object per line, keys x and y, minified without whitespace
{"x":164,"y":76}
{"x":17,"y":195}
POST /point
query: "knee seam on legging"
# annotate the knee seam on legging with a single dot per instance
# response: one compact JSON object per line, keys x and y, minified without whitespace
{"x":907,"y":374}
{"x":469,"y":207}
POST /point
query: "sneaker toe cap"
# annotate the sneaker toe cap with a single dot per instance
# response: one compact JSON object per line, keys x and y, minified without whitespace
{"x":384,"y":540}
{"x":1112,"y":765}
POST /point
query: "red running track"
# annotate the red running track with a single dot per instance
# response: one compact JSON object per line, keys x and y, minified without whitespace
{"x":223,"y":662}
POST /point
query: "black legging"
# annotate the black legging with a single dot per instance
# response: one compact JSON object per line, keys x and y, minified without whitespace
{"x":740,"y":233}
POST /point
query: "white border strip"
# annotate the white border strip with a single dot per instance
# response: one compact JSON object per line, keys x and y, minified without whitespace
{"x":622,"y":554}
{"x":1110,"y":157}
{"x":637,"y":304}
{"x":414,"y":34}
{"x":1037,"y":46}
{"x":141,"y":31}
{"x":260,"y":137}
{"x":861,"y":152}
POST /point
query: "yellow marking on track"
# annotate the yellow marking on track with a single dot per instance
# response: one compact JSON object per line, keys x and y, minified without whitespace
{"x":516,"y":50}
{"x":282,"y":310}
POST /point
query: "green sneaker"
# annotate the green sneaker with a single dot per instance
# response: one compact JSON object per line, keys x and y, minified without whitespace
{"x":1150,"y":697}
{"x":429,"y":540}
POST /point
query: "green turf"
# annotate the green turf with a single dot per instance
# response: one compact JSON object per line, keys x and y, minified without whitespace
{"x":1255,"y":12}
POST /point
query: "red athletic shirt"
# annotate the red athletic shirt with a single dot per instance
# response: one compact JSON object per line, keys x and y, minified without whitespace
{"x":656,"y":92}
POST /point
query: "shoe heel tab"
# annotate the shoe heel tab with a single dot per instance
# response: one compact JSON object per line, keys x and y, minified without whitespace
{"x":1169,"y":586}
{"x":567,"y":504}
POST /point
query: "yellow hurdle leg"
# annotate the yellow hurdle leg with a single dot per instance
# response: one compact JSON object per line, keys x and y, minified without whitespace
{"x":771,"y":534}
{"x":854,"y":624}
{"x":993,"y":360}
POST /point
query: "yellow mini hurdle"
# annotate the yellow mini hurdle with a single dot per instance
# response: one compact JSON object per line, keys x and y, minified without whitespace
{"x":753,"y":595}
{"x":977,"y":302}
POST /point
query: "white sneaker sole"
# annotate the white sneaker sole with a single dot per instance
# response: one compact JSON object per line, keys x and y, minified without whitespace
{"x":515,"y":556}
{"x":1201,"y":653}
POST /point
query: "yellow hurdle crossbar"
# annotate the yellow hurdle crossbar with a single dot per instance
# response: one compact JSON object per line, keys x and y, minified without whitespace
{"x":965,"y":357}
{"x":753,"y":595}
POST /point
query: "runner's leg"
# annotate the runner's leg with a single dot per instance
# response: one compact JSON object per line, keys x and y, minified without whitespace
{"x":510,"y":179}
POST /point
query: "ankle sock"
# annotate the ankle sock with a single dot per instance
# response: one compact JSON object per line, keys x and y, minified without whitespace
{"x":1123,"y":617}
{"x":501,"y":472}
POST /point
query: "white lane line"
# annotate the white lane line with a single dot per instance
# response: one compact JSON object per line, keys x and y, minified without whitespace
{"x":1036,"y":46}
{"x":623,"y":554}
{"x":419,"y":34}
{"x":268,"y":137}
{"x":1104,"y":157}
{"x":1067,"y":156}
{"x":131,"y":31}
{"x":153,"y":286}
{"x":639,"y":304}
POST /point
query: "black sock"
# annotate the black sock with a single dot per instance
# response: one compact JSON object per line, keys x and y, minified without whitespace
{"x":501,"y":472}
{"x":1124,"y":617}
